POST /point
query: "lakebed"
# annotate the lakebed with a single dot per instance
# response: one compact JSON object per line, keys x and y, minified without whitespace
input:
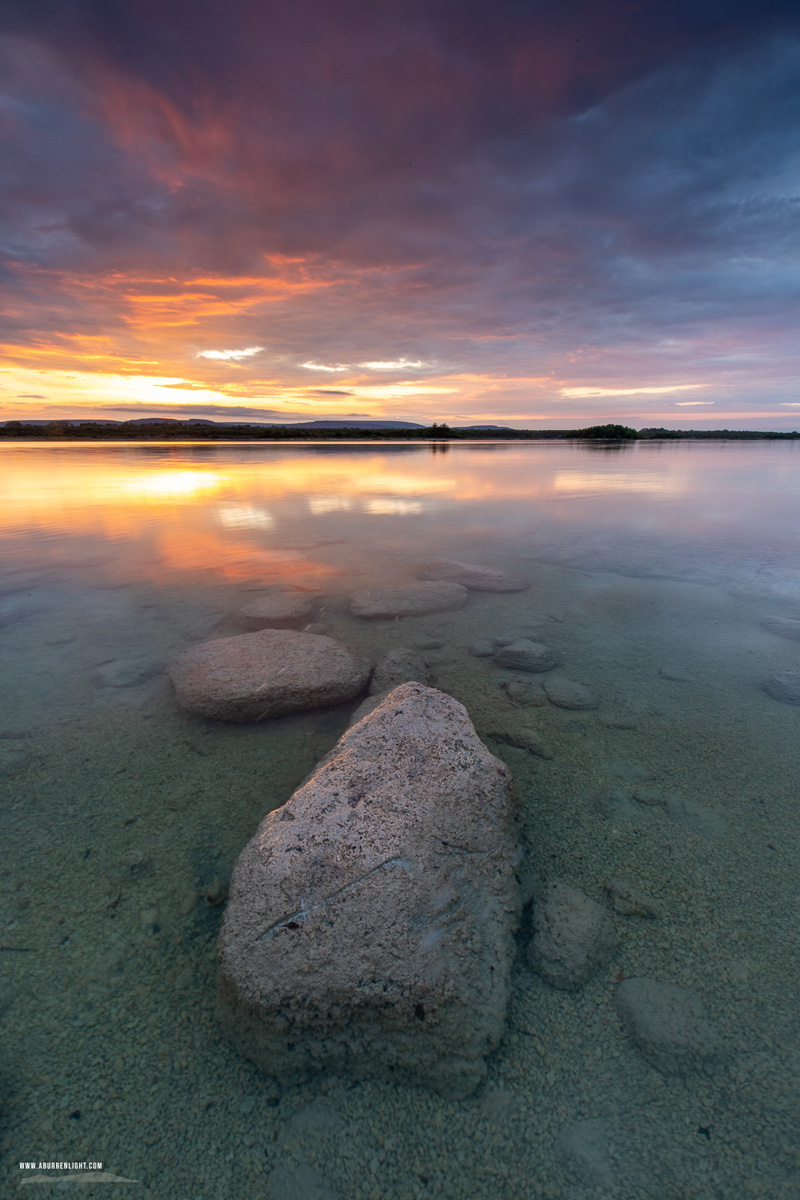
{"x":652,"y":572}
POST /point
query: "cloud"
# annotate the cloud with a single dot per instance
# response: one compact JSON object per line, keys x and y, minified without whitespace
{"x":235,"y":355}
{"x":398,"y":364}
{"x":313,"y":366}
{"x":643,"y":390}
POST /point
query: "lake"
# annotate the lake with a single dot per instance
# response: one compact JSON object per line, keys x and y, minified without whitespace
{"x":656,"y":572}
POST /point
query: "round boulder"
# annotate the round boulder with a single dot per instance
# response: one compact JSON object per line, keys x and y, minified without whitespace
{"x":566,"y":693}
{"x":266,"y":674}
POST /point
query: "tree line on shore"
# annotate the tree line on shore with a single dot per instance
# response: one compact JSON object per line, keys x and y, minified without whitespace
{"x":159,"y":430}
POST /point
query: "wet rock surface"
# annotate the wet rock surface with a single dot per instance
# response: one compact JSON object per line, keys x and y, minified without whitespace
{"x":525,"y":655}
{"x":407,"y":600}
{"x":371,"y":923}
{"x":281,"y":610}
{"x":257,"y":675}
{"x":573,"y":936}
{"x":668,"y":1023}
{"x":472,"y":576}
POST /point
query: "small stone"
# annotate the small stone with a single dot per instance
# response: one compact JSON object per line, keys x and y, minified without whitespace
{"x":652,"y":797}
{"x":566,"y":693}
{"x":525,"y":692}
{"x":280,"y":610}
{"x":526,"y":739}
{"x":216,"y":893}
{"x":398,"y":666}
{"x":787,"y":627}
{"x":189,"y":901}
{"x":582,"y":1149}
{"x":630,"y":902}
{"x":573,"y":937}
{"x":668,"y":1024}
{"x":525,"y":655}
{"x":476,"y":578}
{"x":407,"y":600}
{"x":125,"y":672}
{"x":783,"y":686}
{"x":481,"y":649}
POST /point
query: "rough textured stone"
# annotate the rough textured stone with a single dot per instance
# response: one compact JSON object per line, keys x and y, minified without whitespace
{"x":788,"y":627}
{"x":573,"y":937}
{"x":668,"y":1024}
{"x":281,"y":610}
{"x":266,"y":674}
{"x":472,"y":576}
{"x":371,"y":921}
{"x":566,"y":693}
{"x":524,"y":655}
{"x":407,"y":600}
{"x":582,"y":1149}
{"x":398,"y":666}
{"x":784,"y":686}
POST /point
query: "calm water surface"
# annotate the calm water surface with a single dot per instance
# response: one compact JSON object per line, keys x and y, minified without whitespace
{"x":652,"y":570}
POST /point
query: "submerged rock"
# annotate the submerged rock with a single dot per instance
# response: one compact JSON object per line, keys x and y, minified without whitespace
{"x":266,"y":674}
{"x":524,"y":692}
{"x":566,"y":693}
{"x":281,"y":610}
{"x":126,"y":672}
{"x":525,"y":738}
{"x":788,"y":627}
{"x":668,"y":1024}
{"x":407,"y":600}
{"x":582,"y":1149}
{"x":472,"y":576}
{"x":573,"y":937}
{"x":401,"y":665}
{"x":371,"y":921}
{"x":525,"y":655}
{"x":784,"y":686}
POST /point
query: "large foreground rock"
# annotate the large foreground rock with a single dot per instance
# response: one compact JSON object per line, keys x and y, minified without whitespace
{"x":371,"y":922}
{"x":407,"y":600}
{"x":472,"y":576}
{"x":266,"y":674}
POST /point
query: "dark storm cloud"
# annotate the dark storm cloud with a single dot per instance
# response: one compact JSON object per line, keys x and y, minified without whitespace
{"x":489,"y":181}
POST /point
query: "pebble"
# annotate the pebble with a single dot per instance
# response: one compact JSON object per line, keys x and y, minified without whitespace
{"x":573,"y":937}
{"x":630,"y":902}
{"x":481,"y":649}
{"x":280,"y":610}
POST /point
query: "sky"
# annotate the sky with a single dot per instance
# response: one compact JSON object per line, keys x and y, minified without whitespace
{"x":536,"y":213}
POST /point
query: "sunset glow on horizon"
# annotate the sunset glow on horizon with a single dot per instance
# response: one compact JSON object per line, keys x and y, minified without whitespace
{"x":404,"y":212}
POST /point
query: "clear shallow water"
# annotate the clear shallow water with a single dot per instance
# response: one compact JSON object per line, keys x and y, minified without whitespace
{"x":652,"y":570}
